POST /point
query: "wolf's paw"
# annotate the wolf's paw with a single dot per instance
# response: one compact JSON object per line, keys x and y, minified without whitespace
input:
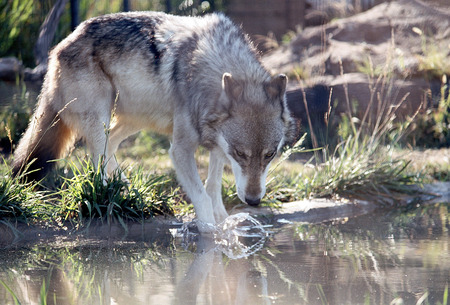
{"x":206,"y":227}
{"x":220,"y":214}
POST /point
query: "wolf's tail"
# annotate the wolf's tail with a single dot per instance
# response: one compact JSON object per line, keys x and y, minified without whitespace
{"x":47,"y":138}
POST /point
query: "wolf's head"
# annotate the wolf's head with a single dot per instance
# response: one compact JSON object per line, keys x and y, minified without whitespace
{"x":256,"y":128}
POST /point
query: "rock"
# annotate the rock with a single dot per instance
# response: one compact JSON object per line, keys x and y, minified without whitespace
{"x":10,"y":67}
{"x":364,"y":98}
{"x":381,"y":35}
{"x":37,"y":74}
{"x":383,"y":42}
{"x":402,"y":97}
{"x":310,"y":102}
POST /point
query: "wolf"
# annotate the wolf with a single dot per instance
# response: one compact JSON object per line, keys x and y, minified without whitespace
{"x":196,"y":79}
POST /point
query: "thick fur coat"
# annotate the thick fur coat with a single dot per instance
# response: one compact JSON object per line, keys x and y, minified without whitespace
{"x":197,"y":79}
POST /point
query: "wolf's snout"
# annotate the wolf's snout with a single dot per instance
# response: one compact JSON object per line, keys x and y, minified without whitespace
{"x":252,"y":201}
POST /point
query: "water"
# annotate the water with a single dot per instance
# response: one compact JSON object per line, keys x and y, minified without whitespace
{"x":380,"y":258}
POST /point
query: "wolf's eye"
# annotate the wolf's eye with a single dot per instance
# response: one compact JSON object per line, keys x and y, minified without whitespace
{"x":269,"y":155}
{"x":239,"y":153}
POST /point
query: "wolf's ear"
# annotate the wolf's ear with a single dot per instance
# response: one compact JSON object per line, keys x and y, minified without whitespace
{"x":276,"y":87}
{"x":232,"y":87}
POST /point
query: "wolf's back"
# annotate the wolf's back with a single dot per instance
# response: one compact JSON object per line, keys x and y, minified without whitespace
{"x":184,"y":57}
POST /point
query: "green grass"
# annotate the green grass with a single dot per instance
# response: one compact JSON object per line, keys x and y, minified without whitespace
{"x":11,"y":293}
{"x":86,"y":195}
{"x":18,"y":199}
{"x":355,"y":169}
{"x":433,"y":60}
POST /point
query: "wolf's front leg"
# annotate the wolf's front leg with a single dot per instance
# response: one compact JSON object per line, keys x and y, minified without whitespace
{"x":182,"y":154}
{"x":187,"y":174}
{"x":214,"y":183}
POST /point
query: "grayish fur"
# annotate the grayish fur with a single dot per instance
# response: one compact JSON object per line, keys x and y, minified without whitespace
{"x":197,"y":78}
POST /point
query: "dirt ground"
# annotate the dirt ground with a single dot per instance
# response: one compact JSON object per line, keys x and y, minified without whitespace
{"x":428,"y":160}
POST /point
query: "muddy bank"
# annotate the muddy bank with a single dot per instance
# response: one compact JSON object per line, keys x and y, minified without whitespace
{"x":307,"y":211}
{"x":323,"y":210}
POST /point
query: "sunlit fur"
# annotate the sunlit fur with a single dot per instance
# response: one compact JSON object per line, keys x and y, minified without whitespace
{"x":197,"y":79}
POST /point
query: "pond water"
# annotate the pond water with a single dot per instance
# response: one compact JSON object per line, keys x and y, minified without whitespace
{"x":388,"y":257}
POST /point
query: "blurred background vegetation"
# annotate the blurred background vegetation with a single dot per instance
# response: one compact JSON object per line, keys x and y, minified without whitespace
{"x":21,"y":20}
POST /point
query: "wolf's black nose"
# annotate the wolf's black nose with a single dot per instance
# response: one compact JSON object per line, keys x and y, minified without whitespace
{"x":252,"y":201}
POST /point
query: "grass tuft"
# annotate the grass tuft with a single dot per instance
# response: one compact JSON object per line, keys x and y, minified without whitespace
{"x":354,"y":169}
{"x":88,"y":195}
{"x":18,"y":199}
{"x":12,"y":294}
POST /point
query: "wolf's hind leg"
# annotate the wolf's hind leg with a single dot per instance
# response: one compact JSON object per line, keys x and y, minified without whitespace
{"x":214,"y":183}
{"x":96,"y":138}
{"x":117,"y":134}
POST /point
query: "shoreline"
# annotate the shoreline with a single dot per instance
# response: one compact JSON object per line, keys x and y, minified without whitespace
{"x":305,"y":211}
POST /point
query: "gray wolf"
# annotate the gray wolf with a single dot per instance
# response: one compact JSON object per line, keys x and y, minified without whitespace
{"x":197,"y":79}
